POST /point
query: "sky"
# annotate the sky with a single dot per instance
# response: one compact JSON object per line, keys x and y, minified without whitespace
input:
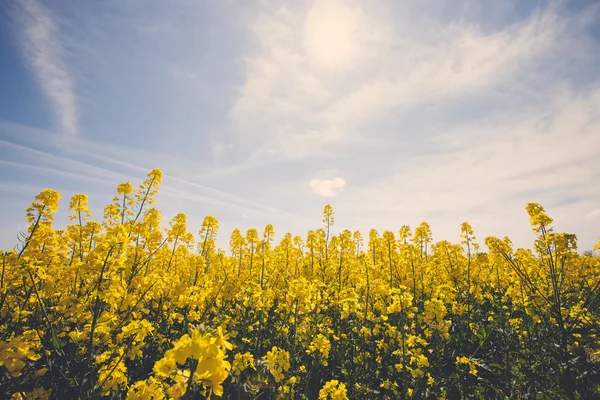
{"x":393,"y":112}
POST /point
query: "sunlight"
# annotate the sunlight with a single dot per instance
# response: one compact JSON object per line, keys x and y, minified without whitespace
{"x":330,"y":34}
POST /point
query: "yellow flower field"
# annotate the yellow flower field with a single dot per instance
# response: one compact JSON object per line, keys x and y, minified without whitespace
{"x":121,"y":307}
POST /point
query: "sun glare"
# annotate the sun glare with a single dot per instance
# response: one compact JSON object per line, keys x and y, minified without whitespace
{"x":330,"y":34}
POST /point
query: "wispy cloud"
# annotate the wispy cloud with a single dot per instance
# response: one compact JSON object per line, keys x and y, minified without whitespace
{"x":323,"y":71}
{"x":44,"y":52}
{"x":327,"y":187}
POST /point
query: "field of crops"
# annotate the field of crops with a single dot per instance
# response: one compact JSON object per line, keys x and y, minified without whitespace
{"x":124,"y":307}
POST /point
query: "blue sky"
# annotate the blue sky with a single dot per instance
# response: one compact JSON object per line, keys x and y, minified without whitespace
{"x":263,"y":112}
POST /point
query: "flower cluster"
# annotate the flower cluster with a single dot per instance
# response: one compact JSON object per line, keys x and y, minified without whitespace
{"x":278,"y":361}
{"x":333,"y":390}
{"x":322,"y":345}
{"x":209,"y":366}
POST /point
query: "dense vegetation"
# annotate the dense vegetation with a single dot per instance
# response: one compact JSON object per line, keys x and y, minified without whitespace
{"x":126,"y":309}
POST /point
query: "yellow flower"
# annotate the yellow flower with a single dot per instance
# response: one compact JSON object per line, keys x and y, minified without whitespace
{"x":125,"y":188}
{"x":278,"y":362}
{"x":209,"y":351}
{"x":322,"y":345}
{"x":333,"y":390}
{"x":470,"y":362}
{"x":241,"y":362}
{"x":112,"y":375}
{"x":146,"y":389}
{"x":462,"y":360}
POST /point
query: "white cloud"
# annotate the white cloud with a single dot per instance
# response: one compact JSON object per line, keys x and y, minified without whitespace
{"x":322,"y":72}
{"x":44,"y":52}
{"x":464,"y":62}
{"x":327,"y":187}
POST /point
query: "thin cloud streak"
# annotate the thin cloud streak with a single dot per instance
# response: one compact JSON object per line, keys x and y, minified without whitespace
{"x":54,"y":171}
{"x":44,"y":53}
{"x":111,"y":178}
{"x":80,"y":147}
{"x":106,"y":174}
